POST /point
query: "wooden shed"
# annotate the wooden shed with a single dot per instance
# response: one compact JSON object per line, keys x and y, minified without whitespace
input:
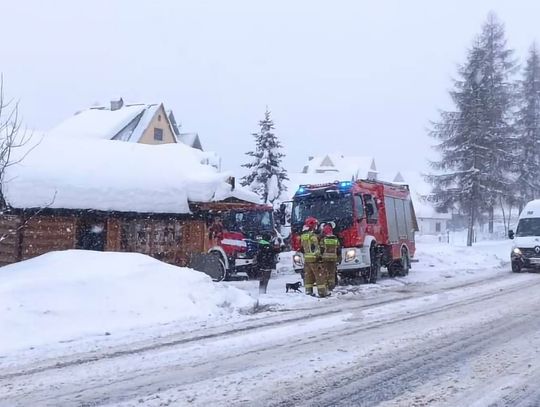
{"x":172,"y":238}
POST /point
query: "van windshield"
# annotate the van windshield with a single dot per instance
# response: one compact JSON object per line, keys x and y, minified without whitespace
{"x":528,"y":227}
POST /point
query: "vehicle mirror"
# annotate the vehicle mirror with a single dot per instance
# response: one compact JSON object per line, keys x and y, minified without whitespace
{"x":510,"y":234}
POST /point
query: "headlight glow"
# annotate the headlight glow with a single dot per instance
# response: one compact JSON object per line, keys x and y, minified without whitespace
{"x":516,"y":250}
{"x":350,"y":255}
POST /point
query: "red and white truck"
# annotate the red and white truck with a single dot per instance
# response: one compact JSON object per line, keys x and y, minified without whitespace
{"x":375,"y":223}
{"x":233,"y":234}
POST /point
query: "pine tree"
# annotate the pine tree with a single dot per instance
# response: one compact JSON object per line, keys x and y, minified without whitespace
{"x":267,"y":175}
{"x":474,"y":137}
{"x":528,"y":131}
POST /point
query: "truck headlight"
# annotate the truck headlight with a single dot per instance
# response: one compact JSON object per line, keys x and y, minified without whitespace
{"x":297,"y":260}
{"x":516,"y":250}
{"x":350,"y":255}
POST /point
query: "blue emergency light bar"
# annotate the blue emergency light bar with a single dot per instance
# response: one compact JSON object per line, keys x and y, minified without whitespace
{"x":342,"y":185}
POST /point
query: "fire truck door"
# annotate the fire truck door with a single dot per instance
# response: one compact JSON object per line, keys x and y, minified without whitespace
{"x":359,"y":215}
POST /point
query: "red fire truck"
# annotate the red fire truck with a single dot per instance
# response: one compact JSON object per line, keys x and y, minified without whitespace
{"x":233,"y":233}
{"x":375,"y":222}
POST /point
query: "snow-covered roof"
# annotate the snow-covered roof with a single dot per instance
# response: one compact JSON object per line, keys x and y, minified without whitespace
{"x":348,"y":167}
{"x":190,"y":139}
{"x":330,"y":168}
{"x":126,"y":123}
{"x":85,"y":173}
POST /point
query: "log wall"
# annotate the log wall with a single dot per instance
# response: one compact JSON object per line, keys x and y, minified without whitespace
{"x":46,"y":233}
{"x":9,"y":239}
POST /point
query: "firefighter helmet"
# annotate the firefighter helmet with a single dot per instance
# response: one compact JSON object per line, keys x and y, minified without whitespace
{"x":327,"y":229}
{"x":311,"y":222}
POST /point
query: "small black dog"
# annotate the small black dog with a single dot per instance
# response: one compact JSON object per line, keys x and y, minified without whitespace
{"x":294,"y":287}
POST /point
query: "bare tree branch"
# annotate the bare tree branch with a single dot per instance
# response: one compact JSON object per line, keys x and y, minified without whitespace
{"x":11,"y":232}
{"x":11,"y":137}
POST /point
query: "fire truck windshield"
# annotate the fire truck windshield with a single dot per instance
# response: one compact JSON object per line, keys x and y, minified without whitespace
{"x":336,"y":207}
{"x":249,"y":221}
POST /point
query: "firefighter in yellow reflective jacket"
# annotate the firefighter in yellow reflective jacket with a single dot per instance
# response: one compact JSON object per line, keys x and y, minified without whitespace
{"x":329,"y":259}
{"x":312,"y":255}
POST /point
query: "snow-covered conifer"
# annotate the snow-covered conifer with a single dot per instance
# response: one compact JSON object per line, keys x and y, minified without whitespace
{"x":475,"y":137}
{"x":527,"y":164}
{"x":266,"y":174}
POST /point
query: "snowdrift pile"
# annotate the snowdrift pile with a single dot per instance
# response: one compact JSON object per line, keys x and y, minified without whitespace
{"x":448,"y":257}
{"x":71,"y":294}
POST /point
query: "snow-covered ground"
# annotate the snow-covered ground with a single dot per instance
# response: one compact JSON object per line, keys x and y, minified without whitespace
{"x":71,"y":295}
{"x":425,"y":339}
{"x":86,"y":297}
{"x":459,"y":320}
{"x":437,"y":263}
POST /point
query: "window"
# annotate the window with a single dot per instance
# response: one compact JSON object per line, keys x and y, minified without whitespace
{"x":158,"y":134}
{"x":159,"y":118}
{"x":371,"y":209}
{"x":390,"y":204}
{"x":528,"y":227}
{"x":400,"y":217}
{"x":359,"y":207}
{"x":438,"y":227}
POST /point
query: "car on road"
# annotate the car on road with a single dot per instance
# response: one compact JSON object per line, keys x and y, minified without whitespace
{"x":526,"y":248}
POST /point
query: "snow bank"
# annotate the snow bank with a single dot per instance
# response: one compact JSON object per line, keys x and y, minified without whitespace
{"x":78,"y":173}
{"x":482,"y":255}
{"x":62,"y":296}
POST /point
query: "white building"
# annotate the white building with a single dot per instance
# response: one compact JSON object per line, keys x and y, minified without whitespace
{"x":330,"y":168}
{"x":430,"y":222}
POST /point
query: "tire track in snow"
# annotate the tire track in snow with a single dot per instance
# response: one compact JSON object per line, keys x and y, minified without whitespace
{"x":151,"y":380}
{"x":263,"y":323}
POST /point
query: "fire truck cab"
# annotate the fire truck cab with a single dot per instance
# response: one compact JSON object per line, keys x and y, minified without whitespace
{"x":375,"y":223}
{"x":233,"y":235}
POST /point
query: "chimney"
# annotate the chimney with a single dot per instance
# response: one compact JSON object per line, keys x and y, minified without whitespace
{"x":117,"y":104}
{"x":310,"y":158}
{"x":232,"y":182}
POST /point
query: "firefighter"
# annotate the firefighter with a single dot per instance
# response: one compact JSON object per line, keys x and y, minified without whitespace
{"x":329,"y":259}
{"x":266,"y":260}
{"x":312,"y":256}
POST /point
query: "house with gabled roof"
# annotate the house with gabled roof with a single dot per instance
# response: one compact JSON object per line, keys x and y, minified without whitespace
{"x":131,"y":122}
{"x":190,"y":139}
{"x":135,"y":123}
{"x":348,"y":167}
{"x":330,"y":168}
{"x":430,"y":221}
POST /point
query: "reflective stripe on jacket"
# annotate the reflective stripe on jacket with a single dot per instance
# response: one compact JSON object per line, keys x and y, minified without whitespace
{"x":330,"y":246}
{"x":310,"y":246}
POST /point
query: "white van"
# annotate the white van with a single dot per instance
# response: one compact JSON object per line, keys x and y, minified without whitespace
{"x":526,"y":248}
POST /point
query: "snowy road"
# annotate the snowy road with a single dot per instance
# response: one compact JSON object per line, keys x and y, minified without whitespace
{"x":476,"y":342}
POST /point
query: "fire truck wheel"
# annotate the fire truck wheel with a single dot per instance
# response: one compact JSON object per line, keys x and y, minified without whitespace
{"x":375,"y":268}
{"x":223,"y":273}
{"x":404,"y":263}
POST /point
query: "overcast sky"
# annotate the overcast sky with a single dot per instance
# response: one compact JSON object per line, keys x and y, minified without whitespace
{"x":359,"y":77}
